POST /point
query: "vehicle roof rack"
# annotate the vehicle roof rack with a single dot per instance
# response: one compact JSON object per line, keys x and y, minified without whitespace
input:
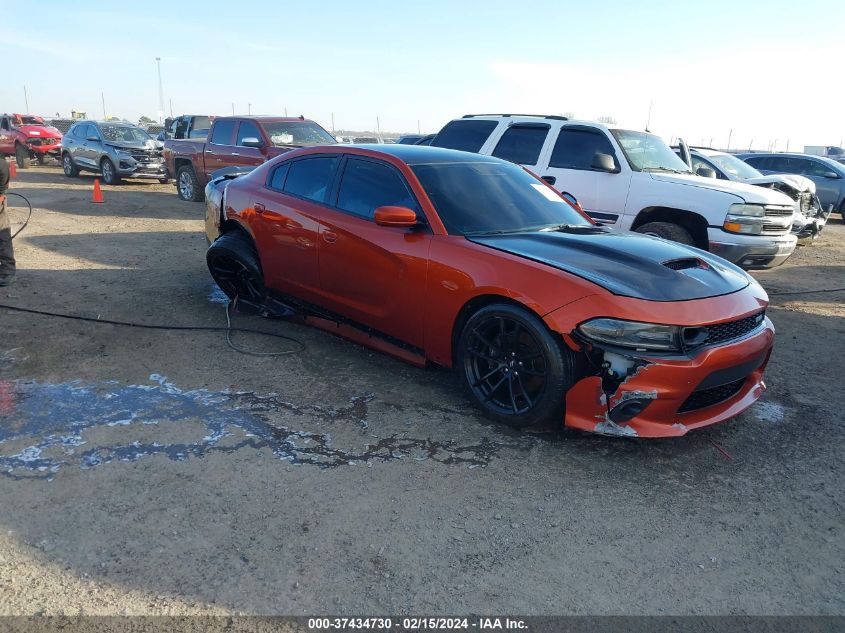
{"x":556,"y":117}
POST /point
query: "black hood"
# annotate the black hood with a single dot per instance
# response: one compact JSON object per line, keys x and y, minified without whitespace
{"x":626,"y":264}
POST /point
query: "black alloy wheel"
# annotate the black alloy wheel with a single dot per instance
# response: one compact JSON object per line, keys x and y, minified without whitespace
{"x":514,"y":367}
{"x":233,"y":263}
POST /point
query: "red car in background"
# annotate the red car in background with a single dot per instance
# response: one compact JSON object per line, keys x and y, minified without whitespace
{"x":236,"y":141}
{"x":471,"y":262}
{"x":25,"y":137}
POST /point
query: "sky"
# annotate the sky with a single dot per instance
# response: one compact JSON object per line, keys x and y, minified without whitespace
{"x":763,"y":74}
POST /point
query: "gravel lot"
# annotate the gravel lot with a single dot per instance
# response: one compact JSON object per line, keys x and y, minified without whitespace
{"x":159,"y":472}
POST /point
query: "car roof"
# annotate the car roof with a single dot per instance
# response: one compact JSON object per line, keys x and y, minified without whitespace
{"x":824,"y":159}
{"x":262,"y":117}
{"x":419,"y":154}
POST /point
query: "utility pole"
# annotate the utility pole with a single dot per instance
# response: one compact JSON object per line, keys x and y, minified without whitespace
{"x":233,"y":109}
{"x":787,"y":145}
{"x":730,"y":133}
{"x":160,"y":92}
{"x":286,"y":110}
{"x":648,"y":122}
{"x":378,"y":127}
{"x":249,"y":108}
{"x":103,"y":98}
{"x":332,"y":122}
{"x":418,"y":127}
{"x":25,"y":99}
{"x":171,"y":108}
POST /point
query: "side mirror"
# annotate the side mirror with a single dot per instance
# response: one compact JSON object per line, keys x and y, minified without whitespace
{"x":832,"y":175}
{"x":251,"y":141}
{"x":401,"y":217}
{"x":92,"y":138}
{"x":603,"y":162}
{"x":705,"y":172}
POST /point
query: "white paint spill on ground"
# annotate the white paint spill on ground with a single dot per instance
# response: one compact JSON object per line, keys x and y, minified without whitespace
{"x":768,"y":411}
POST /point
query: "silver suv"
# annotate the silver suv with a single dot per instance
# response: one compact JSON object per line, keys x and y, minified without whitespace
{"x":116,"y":150}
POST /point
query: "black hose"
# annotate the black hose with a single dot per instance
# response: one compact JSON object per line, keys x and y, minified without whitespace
{"x":29,"y":215}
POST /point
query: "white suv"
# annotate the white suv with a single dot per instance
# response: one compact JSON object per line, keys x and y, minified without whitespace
{"x":633,"y":181}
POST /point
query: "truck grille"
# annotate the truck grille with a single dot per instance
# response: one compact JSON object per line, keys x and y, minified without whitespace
{"x":701,"y":398}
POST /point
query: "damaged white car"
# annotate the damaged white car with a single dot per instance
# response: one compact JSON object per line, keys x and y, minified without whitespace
{"x":810,"y":217}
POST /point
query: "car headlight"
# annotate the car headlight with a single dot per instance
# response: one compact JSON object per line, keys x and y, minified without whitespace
{"x":122,"y":154}
{"x":745,"y":218}
{"x":632,"y":334}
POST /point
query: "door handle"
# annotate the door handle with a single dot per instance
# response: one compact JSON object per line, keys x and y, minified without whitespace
{"x":330,"y":237}
{"x":550,"y":179}
{"x":234,"y":154}
{"x":260,"y":208}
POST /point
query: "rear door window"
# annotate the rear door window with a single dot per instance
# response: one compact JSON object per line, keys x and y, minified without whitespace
{"x":467,"y":135}
{"x":521,"y":144}
{"x":311,"y":178}
{"x":576,"y":147}
{"x":277,"y":178}
{"x":223,"y":132}
{"x":367,"y":185}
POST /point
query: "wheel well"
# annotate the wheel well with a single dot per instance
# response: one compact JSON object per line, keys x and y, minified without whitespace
{"x":474,"y":305}
{"x":182,"y":162}
{"x":692,"y":222}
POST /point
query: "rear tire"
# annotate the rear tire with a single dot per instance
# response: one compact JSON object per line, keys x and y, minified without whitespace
{"x":110,"y":175}
{"x":187,"y":185}
{"x":233,"y":263}
{"x":514,"y":368}
{"x":668,"y":231}
{"x":71,"y":170}
{"x":22,"y":156}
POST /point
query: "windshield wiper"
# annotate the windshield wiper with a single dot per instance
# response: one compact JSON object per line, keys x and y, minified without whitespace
{"x":666,"y":169}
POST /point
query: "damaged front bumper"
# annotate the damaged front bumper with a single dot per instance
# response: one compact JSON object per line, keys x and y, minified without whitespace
{"x":669,"y":396}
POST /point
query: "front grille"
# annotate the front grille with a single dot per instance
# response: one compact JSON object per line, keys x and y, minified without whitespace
{"x":773,"y":228}
{"x":777,"y":211}
{"x":724,"y":332}
{"x":37,"y":142}
{"x":702,"y":398}
{"x":146,"y":157}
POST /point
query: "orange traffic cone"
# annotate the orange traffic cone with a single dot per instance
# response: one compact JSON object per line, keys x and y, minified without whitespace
{"x":98,"y":194}
{"x":13,"y":169}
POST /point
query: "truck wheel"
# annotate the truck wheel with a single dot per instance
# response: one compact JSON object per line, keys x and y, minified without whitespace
{"x":71,"y":170}
{"x":513,"y":367}
{"x":667,"y":231}
{"x":22,"y":156}
{"x":233,"y":263}
{"x":109,"y":172}
{"x":187,"y":185}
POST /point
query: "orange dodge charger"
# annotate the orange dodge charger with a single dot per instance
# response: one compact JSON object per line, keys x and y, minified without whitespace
{"x":471,"y":262}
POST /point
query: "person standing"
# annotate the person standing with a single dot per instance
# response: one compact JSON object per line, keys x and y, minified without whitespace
{"x":7,"y":253}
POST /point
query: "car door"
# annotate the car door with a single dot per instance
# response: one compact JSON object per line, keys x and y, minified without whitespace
{"x":828,"y":182}
{"x":244,"y":155}
{"x":369,"y":273}
{"x":87,"y":150}
{"x":219,"y":146}
{"x":602,"y":194}
{"x":286,"y":223}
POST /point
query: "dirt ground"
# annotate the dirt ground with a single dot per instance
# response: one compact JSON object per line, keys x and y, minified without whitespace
{"x":160,"y":472}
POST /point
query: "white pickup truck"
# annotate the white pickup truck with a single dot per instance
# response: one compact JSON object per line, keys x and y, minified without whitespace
{"x":633,"y":181}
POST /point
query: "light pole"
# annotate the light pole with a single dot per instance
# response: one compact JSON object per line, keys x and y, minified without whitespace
{"x":160,"y":92}
{"x":26,"y":98}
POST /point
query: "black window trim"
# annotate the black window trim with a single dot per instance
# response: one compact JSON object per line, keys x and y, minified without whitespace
{"x":271,"y":174}
{"x":335,"y":191}
{"x":590,"y":130}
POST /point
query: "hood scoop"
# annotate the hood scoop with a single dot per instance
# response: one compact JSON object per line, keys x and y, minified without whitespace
{"x":685,"y":263}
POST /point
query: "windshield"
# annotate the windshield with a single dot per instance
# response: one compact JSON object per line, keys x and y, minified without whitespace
{"x":124,"y":134}
{"x":733,"y":166}
{"x":473,"y":198}
{"x":647,"y":152}
{"x":31,"y":120}
{"x":302,"y":133}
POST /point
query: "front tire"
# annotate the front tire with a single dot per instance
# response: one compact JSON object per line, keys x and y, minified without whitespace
{"x":513,"y":366}
{"x":187,"y":185}
{"x":71,"y":170}
{"x":668,"y":231}
{"x":22,"y":156}
{"x":110,"y":176}
{"x":233,"y":263}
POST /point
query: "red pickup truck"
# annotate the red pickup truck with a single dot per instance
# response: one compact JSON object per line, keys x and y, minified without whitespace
{"x":236,"y":141}
{"x":25,"y":137}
